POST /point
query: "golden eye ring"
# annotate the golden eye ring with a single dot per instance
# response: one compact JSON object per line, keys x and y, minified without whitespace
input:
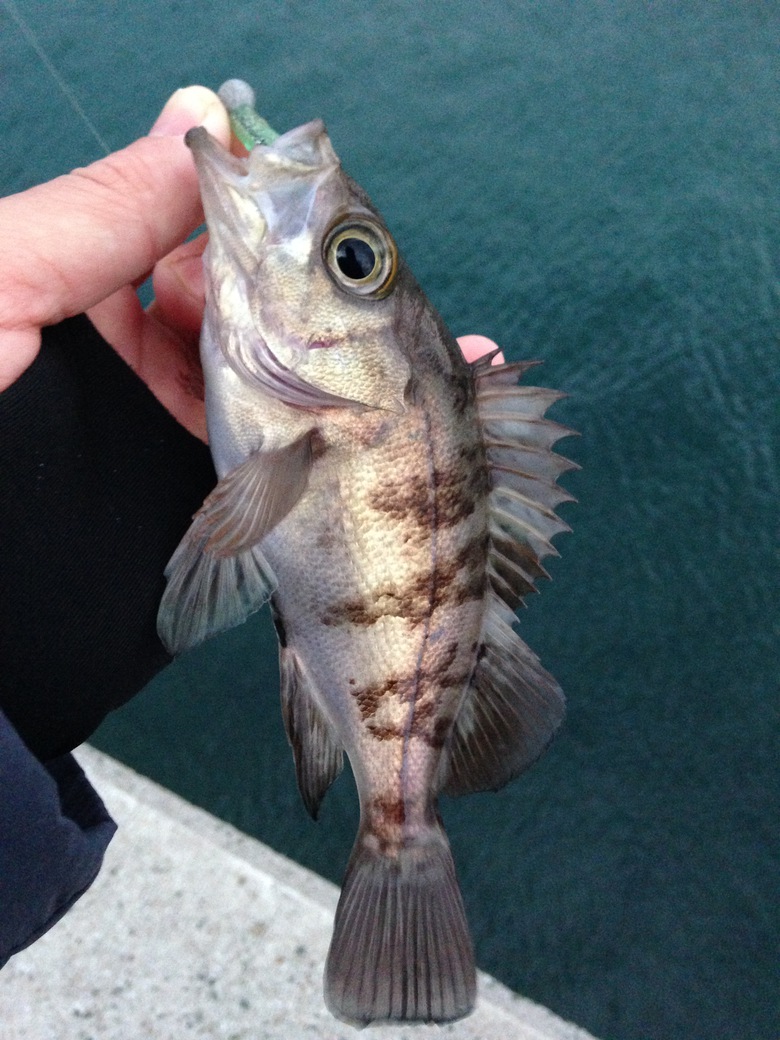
{"x":361,"y":257}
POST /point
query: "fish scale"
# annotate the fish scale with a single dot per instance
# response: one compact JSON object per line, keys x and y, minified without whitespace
{"x":393,"y":503}
{"x":405,"y":590}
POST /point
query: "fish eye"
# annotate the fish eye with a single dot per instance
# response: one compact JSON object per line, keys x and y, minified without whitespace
{"x":361,"y":257}
{"x":355,"y":258}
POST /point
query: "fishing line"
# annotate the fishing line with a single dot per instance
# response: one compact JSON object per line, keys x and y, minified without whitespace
{"x":34,"y":42}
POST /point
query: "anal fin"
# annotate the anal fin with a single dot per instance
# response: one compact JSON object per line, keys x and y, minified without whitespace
{"x":318,"y":758}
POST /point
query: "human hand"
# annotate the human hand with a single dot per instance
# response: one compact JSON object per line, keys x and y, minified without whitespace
{"x":85,"y":241}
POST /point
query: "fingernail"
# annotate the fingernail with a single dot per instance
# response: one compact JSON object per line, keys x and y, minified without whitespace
{"x":192,"y":106}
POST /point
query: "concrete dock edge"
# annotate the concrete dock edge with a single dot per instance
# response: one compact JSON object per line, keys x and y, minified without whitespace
{"x":194,"y":929}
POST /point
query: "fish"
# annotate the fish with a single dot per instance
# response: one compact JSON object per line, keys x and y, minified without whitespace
{"x":392,"y":503}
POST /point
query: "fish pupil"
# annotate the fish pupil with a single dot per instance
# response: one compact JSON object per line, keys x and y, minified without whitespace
{"x":356,"y":258}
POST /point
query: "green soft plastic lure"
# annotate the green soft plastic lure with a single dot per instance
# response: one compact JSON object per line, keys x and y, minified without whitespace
{"x":249,"y":127}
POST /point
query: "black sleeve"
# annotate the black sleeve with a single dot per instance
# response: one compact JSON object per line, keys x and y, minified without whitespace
{"x":97,"y":486}
{"x":53,"y":833}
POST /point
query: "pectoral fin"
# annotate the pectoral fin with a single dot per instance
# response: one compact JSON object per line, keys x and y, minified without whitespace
{"x":207,"y":594}
{"x":251,"y":500}
{"x":218,"y":576}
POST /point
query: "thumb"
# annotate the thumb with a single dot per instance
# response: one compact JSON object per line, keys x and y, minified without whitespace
{"x":68,"y":244}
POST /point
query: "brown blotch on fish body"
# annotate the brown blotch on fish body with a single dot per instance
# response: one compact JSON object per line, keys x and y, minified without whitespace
{"x":457,"y":493}
{"x":422,"y":693}
{"x":422,"y":595}
{"x":408,"y":688}
{"x":442,"y":499}
{"x":388,"y":810}
{"x":385,"y":821}
{"x":382,"y":733}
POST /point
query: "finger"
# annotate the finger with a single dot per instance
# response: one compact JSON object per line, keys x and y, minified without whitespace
{"x":161,"y":344}
{"x":474,"y":347}
{"x":18,"y":350}
{"x":165,"y":360}
{"x":67,"y":244}
{"x":179,"y":290}
{"x":119,"y":320}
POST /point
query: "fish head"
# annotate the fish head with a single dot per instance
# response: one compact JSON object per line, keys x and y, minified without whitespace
{"x":301,"y":273}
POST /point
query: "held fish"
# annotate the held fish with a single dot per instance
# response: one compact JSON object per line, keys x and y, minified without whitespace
{"x":393,"y":503}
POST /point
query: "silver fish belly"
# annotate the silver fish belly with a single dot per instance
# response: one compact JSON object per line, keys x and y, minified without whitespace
{"x":393,"y":503}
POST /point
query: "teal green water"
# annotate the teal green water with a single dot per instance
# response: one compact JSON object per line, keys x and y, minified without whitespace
{"x":593,"y":184}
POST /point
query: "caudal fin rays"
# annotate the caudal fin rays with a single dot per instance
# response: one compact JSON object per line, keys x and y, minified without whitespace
{"x":401,"y":949}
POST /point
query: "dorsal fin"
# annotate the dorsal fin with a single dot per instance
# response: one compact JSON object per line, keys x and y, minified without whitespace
{"x":513,"y":706}
{"x":509,"y":714}
{"x":523,"y":473}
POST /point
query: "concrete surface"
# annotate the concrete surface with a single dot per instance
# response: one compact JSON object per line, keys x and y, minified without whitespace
{"x":196,"y":930}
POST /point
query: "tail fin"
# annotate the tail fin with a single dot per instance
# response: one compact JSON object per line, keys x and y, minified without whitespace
{"x":401,"y":949}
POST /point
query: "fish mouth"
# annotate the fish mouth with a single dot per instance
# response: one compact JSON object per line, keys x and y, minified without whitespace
{"x":235,"y":227}
{"x":270,"y":192}
{"x":304,"y":150}
{"x":265,"y":197}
